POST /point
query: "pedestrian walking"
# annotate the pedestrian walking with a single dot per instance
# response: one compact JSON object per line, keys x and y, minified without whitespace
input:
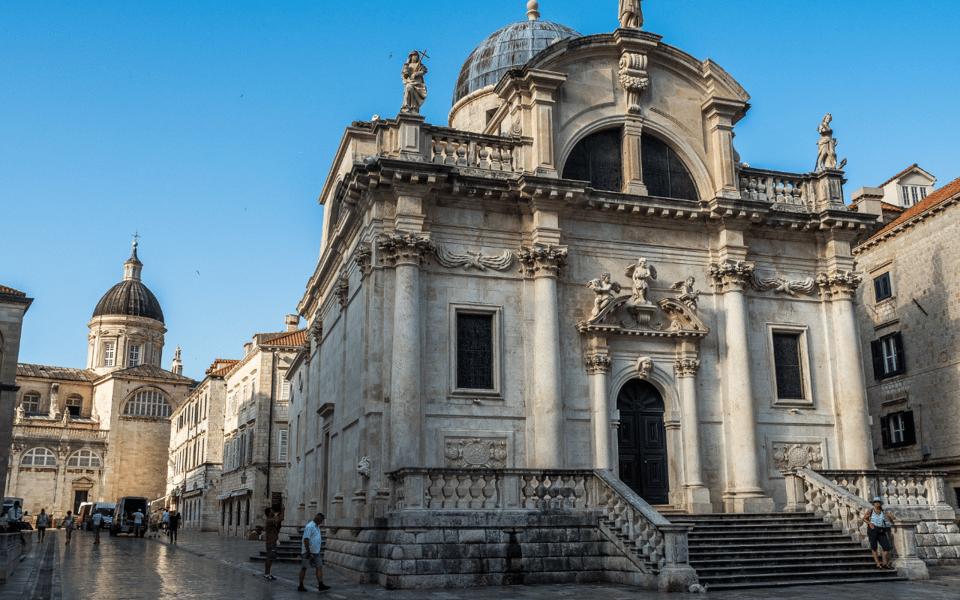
{"x":67,"y":524}
{"x":97,"y":521}
{"x":272,"y":538}
{"x":165,"y":521}
{"x":138,"y":524}
{"x":880,"y":523}
{"x":310,"y":552}
{"x":43,"y":520}
{"x":174,"y":526}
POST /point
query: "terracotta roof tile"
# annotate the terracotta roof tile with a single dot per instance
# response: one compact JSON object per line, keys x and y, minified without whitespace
{"x":900,"y":174}
{"x":150,"y":371}
{"x":223,"y":370}
{"x":9,"y":290}
{"x":885,"y":206}
{"x":943,"y":194}
{"x":291,"y":338}
{"x":220,"y":366}
{"x":61,"y":373}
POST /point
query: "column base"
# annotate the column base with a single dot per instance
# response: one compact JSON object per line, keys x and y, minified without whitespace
{"x":676,"y":578}
{"x":637,"y":188}
{"x":696,"y":499}
{"x":755,"y":503}
{"x":911,"y":568}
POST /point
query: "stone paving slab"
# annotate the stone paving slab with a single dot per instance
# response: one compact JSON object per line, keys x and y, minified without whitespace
{"x":206,"y":565}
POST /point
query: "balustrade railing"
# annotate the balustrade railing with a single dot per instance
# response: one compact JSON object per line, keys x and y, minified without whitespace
{"x":897,"y":488}
{"x":44,"y":431}
{"x":462,"y":149}
{"x":785,"y":189}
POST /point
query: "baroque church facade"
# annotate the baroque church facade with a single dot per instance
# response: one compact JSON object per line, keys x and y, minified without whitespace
{"x":99,"y":433}
{"x":573,"y":297}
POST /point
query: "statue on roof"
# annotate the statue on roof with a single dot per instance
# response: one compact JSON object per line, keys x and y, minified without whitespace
{"x":827,"y":147}
{"x":414,"y":89}
{"x":631,"y":14}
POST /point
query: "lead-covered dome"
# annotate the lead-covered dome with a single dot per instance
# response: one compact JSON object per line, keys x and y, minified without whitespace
{"x":130,"y":297}
{"x":508,"y":48}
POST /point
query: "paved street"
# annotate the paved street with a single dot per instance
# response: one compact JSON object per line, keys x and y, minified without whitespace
{"x":209,"y":566}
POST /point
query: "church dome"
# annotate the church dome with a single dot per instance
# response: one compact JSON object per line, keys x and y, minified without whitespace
{"x":508,"y":48}
{"x":130,"y":297}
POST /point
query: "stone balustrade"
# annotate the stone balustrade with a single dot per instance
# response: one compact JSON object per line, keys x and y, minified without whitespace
{"x":56,"y":432}
{"x":461,"y":149}
{"x":786,"y":189}
{"x":897,"y":488}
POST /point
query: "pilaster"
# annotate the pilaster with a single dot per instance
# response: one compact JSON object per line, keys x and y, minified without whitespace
{"x":721,"y":114}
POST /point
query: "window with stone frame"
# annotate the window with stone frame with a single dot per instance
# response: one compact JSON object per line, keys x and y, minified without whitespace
{"x":86,"y":459}
{"x":475,"y":351}
{"x":74,"y":405}
{"x":109,"y":353}
{"x":789,"y":368}
{"x":888,"y":357}
{"x":882,"y":288}
{"x":283,"y":437}
{"x":31,"y":402}
{"x":133,"y":356}
{"x":897,"y":430}
{"x":39,"y":457}
{"x":148,"y":403}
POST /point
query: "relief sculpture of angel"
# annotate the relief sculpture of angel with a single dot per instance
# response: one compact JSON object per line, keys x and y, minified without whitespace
{"x":688,"y":295}
{"x":639,"y":273}
{"x":606,"y":292}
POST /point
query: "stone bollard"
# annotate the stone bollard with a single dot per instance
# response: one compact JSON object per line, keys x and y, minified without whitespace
{"x":905,"y":543}
{"x":676,"y":575}
{"x":796,"y":501}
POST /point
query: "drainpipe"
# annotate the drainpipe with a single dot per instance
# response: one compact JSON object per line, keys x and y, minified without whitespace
{"x":273,"y":387}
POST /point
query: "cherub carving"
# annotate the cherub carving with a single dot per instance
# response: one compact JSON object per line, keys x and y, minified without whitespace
{"x":640,"y":272}
{"x":606,"y":292}
{"x":688,"y":295}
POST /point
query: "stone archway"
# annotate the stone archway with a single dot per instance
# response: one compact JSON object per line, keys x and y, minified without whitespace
{"x":642,"y":441}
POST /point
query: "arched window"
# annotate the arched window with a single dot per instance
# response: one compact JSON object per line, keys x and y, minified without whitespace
{"x":148,"y":403}
{"x":39,"y":457}
{"x":74,"y":405}
{"x":31,"y":402}
{"x":598,"y":158}
{"x":85,"y":459}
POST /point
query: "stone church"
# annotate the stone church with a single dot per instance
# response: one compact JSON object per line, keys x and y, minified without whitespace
{"x":572,"y":299}
{"x":99,"y":433}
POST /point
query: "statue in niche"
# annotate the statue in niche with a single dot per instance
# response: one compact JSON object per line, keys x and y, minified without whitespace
{"x":19,"y":414}
{"x":414,"y":89}
{"x":631,"y":14}
{"x":606,"y":292}
{"x":687,"y":296}
{"x":827,"y":147}
{"x":639,"y":273}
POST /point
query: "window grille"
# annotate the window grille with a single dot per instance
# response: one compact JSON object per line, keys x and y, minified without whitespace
{"x":85,"y":459}
{"x":31,"y":403}
{"x":475,"y":351}
{"x":786,"y":357}
{"x":133,"y":356}
{"x":39,"y":457}
{"x":148,"y":403}
{"x":108,"y":354}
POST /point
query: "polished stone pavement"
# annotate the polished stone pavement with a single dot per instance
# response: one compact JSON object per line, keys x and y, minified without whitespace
{"x":206,"y":565}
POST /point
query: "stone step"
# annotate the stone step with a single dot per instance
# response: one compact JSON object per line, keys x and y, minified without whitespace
{"x":804,"y":579}
{"x":714,"y":570}
{"x":773,"y":517}
{"x":754,"y":523}
{"x":723,"y":553}
{"x":835,"y":538}
{"x":760,"y":531}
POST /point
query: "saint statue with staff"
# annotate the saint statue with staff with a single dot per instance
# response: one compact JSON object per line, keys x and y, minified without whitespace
{"x":414,"y":89}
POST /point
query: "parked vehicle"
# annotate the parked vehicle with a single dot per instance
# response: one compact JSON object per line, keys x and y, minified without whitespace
{"x":83,"y":513}
{"x":123,"y":515}
{"x":104,"y":508}
{"x":8,"y":504}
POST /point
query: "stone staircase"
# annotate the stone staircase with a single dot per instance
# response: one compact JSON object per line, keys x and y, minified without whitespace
{"x":289,"y":549}
{"x":732,"y":551}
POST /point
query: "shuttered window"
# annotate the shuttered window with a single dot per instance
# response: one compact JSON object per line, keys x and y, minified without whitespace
{"x":283,"y":438}
{"x":888,"y":357}
{"x":897,"y":430}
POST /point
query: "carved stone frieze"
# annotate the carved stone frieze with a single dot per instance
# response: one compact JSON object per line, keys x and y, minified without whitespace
{"x":404,"y":248}
{"x":542,"y":260}
{"x":779,"y":285}
{"x":644,"y":367}
{"x":362,"y":256}
{"x":598,"y":364}
{"x":686,"y":367}
{"x":473,"y":260}
{"x":475,"y":453}
{"x":633,"y":78}
{"x":787,"y":457}
{"x":731,"y":274}
{"x":839,"y":284}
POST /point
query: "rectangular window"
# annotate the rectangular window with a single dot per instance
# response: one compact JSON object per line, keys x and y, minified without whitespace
{"x":31,"y":403}
{"x":906,"y":195}
{"x":923,"y":193}
{"x":786,"y":358}
{"x":474,"y":351}
{"x":285,"y":390}
{"x":133,"y":356}
{"x":897,"y":430}
{"x":249,"y":444}
{"x":74,"y":405}
{"x":153,"y":359}
{"x":916,"y":194}
{"x":888,"y":359}
{"x":108,"y":353}
{"x":882,"y":288}
{"x":283,"y":436}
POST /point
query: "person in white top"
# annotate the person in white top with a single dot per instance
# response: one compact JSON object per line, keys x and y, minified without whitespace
{"x":67,"y":525}
{"x":165,"y":519}
{"x":97,"y":521}
{"x":879,"y":521}
{"x":138,"y":523}
{"x":310,"y":552}
{"x":43,"y":521}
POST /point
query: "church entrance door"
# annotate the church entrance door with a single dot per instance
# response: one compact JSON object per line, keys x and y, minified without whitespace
{"x":642,"y":441}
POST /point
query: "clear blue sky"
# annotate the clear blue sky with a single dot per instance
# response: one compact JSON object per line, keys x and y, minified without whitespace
{"x":210,"y":127}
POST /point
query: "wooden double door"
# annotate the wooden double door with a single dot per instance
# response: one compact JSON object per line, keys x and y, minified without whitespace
{"x":642,"y":441}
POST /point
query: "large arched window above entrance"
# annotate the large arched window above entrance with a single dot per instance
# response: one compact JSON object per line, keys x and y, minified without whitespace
{"x":39,"y":457}
{"x":85,"y":458}
{"x":598,"y":158}
{"x":148,"y":403}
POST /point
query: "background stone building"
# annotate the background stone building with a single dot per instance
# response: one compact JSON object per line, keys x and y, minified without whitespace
{"x":99,"y":433}
{"x":909,"y":322}
{"x":196,"y":451}
{"x":13,"y":306}
{"x":255,"y":429}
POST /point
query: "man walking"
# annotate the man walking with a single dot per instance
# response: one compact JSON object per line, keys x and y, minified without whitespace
{"x":43,"y":520}
{"x":67,"y":525}
{"x":174,"y":526}
{"x":97,"y":521}
{"x":272,"y":538}
{"x":165,"y":522}
{"x":310,"y":550}
{"x":138,"y":524}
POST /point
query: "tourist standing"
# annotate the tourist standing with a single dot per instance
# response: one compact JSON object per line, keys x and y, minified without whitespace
{"x":43,"y":520}
{"x":272,"y":538}
{"x":97,"y":522}
{"x":880,"y":522}
{"x":174,"y":526}
{"x":138,"y":524}
{"x":67,"y":525}
{"x":310,"y":553}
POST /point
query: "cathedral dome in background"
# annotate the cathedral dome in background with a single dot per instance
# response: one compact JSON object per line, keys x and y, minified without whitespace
{"x":129,"y":298}
{"x":508,"y":48}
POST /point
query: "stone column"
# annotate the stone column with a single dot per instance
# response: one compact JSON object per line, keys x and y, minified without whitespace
{"x":543,"y":264}
{"x":632,"y":165}
{"x":696,"y":497}
{"x":598,"y":365}
{"x":730,"y":278}
{"x":539,"y":90}
{"x":851,"y":404}
{"x":62,"y":453}
{"x":721,"y":115}
{"x":405,"y":252}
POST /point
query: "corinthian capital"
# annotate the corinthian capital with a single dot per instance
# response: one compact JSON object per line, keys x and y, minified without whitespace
{"x":598,"y":364}
{"x":731,"y":274}
{"x":687,"y":367}
{"x":542,"y":260}
{"x":404,"y":248}
{"x":839,"y":284}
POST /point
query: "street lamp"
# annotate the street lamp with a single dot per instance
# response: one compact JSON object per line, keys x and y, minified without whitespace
{"x":243,"y":478}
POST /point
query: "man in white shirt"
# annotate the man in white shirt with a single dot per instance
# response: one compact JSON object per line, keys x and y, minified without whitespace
{"x":97,"y":521}
{"x":165,"y":519}
{"x":310,"y":552}
{"x":138,"y":523}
